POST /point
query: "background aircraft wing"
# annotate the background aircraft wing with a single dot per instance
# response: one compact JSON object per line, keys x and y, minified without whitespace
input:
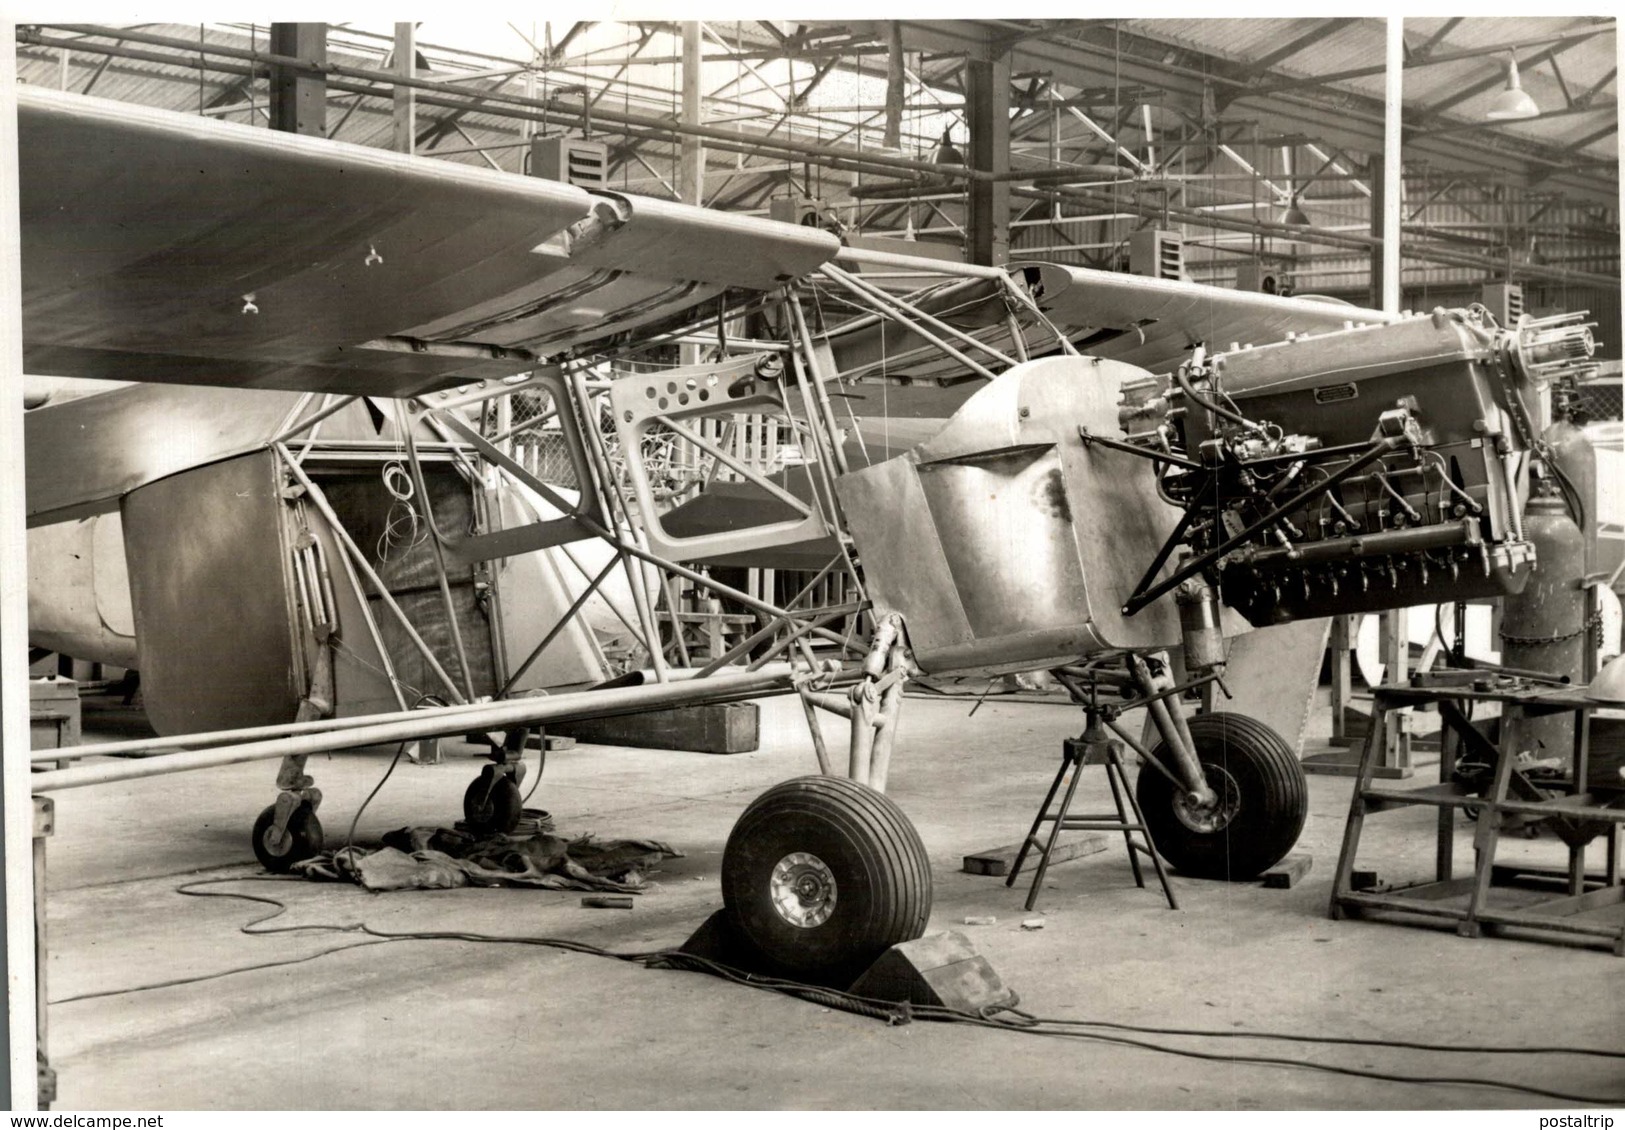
{"x":1153,"y":323}
{"x":1147,"y":322}
{"x":170,"y":248}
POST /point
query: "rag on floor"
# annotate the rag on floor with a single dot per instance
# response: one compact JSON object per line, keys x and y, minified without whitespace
{"x":438,"y":858}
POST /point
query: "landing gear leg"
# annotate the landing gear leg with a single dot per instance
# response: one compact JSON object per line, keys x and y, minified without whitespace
{"x":288,"y":832}
{"x":872,"y":707}
{"x":1240,"y":800}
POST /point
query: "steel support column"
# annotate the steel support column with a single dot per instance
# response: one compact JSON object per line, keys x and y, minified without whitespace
{"x":299,"y":98}
{"x":691,"y":173}
{"x":1393,"y":169}
{"x":987,"y":112}
{"x":1379,"y":250}
{"x":19,"y":1081}
{"x":404,"y":111}
{"x":895,"y":79}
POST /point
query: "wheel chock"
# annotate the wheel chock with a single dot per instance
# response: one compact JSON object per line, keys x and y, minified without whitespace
{"x":943,"y":970}
{"x":717,"y":941}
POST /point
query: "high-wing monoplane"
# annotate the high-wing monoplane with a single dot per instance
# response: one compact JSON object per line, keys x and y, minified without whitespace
{"x":334,"y":536}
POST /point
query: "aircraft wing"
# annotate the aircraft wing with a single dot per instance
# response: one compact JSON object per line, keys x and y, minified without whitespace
{"x":1153,"y":323}
{"x":1147,"y":322}
{"x":169,"y":248}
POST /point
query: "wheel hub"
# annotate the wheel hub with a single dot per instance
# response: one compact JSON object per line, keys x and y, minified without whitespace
{"x":275,"y":844}
{"x":1207,"y":815}
{"x":803,"y":890}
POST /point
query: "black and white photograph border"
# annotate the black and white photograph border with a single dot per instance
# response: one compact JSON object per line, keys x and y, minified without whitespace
{"x":762,"y":564}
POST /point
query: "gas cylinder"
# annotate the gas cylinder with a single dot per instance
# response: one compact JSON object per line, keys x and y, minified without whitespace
{"x":1543,"y":627}
{"x":1572,"y":451}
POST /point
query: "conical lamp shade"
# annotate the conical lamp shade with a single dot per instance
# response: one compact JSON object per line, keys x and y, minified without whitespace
{"x":1609,"y":685}
{"x":1295,"y":216}
{"x":946,"y":153}
{"x":1513,"y":102}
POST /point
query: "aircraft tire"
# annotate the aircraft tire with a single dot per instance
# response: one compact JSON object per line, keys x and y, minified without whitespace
{"x":492,"y":803}
{"x":821,"y":875}
{"x":1264,"y":799}
{"x":303,"y":839}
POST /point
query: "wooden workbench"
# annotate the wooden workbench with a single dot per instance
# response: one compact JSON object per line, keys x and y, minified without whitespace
{"x":1591,"y":906}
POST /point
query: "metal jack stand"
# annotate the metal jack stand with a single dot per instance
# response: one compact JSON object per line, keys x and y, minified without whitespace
{"x":1094,"y":747}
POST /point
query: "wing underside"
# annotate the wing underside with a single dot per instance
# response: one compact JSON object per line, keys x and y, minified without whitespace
{"x":163,"y":247}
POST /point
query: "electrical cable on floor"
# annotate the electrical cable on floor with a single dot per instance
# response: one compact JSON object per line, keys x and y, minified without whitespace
{"x":1002,"y":1019}
{"x":215,"y":976}
{"x":541,"y":767}
{"x":349,"y":838}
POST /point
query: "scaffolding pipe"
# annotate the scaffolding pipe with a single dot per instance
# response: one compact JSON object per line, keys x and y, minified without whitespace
{"x":388,"y":729}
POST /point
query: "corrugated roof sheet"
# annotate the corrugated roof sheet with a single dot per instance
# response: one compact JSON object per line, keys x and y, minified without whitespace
{"x":1586,"y":66}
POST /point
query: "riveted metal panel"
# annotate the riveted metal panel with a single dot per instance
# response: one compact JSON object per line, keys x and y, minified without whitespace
{"x":211,"y":586}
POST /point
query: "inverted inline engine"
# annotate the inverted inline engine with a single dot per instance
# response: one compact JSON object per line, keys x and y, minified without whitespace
{"x":1369,"y":468}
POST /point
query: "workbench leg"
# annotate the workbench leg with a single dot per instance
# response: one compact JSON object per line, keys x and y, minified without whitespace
{"x":1577,"y":869}
{"x":1445,"y":854}
{"x":1395,"y":643}
{"x":1582,"y":771}
{"x":1376,"y":739}
{"x":1342,"y":695}
{"x":1487,"y":834}
{"x":1611,"y":864}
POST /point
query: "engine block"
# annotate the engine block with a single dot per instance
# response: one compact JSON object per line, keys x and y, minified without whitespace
{"x":1369,"y":468}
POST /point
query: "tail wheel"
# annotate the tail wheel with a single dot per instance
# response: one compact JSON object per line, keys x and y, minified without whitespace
{"x":492,"y":802}
{"x":1261,"y":801}
{"x":821,"y":875}
{"x":300,"y":841}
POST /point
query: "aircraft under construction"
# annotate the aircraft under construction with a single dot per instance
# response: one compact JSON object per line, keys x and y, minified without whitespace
{"x":307,"y":515}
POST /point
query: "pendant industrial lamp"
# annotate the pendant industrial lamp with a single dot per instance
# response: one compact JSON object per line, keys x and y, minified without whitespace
{"x":1514,"y":102}
{"x":1295,"y":216}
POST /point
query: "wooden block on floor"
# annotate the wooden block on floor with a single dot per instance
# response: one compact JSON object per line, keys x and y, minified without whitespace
{"x":998,"y":861}
{"x":718,"y":727}
{"x":1285,"y":874}
{"x":1362,"y":879}
{"x":554,"y":742}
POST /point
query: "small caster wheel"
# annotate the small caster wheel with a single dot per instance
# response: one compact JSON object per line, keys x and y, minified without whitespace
{"x":301,"y":840}
{"x":492,"y":803}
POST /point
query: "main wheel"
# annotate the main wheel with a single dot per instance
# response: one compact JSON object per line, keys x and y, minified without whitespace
{"x":301,"y":840}
{"x":492,"y":802}
{"x":1262,"y":800}
{"x":821,"y":875}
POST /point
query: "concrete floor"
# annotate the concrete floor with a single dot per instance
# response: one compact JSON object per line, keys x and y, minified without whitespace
{"x":423,"y":1024}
